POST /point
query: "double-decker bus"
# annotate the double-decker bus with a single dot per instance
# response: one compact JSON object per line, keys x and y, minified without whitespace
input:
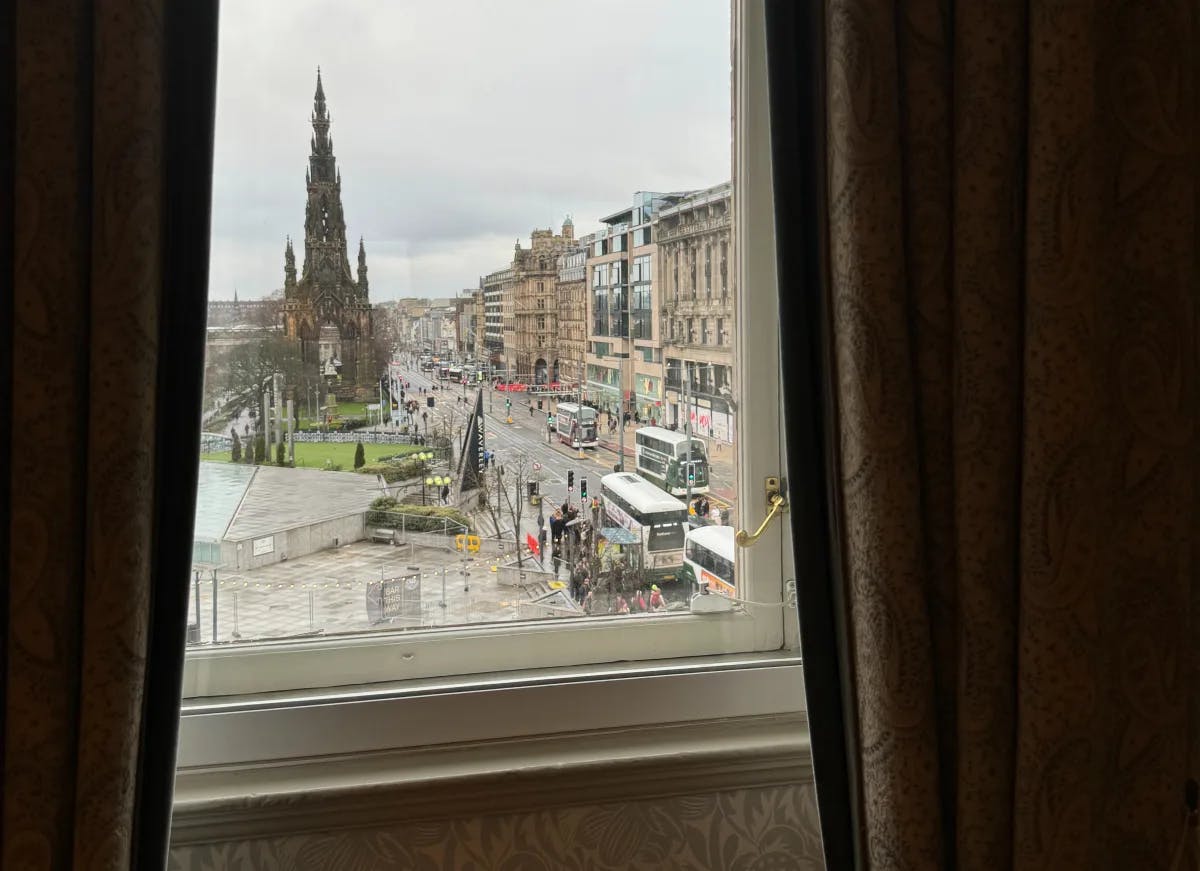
{"x":708,"y":559}
{"x":658,"y":519}
{"x":662,"y":457}
{"x":576,"y":425}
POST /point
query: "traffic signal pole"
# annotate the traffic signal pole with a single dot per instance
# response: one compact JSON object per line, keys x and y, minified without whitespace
{"x":687,"y":404}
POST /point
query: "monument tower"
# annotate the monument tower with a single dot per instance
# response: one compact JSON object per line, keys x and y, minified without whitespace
{"x":326,"y":309}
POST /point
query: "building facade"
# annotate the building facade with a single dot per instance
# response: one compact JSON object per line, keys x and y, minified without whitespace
{"x":571,"y":294}
{"x":327,"y":309}
{"x":521,"y":308}
{"x":696,"y":266}
{"x":495,"y":287}
{"x":478,"y":348}
{"x":624,"y":358}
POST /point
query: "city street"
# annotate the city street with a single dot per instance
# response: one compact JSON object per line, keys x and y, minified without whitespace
{"x":527,"y":434}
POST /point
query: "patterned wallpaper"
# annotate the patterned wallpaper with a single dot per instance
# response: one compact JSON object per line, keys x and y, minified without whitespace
{"x":767,"y":829}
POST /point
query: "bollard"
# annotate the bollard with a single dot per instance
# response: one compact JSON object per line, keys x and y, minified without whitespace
{"x":311,"y":624}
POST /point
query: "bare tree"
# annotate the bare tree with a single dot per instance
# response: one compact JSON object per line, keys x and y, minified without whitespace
{"x":489,"y":497}
{"x":515,"y":475}
{"x":502,"y":495}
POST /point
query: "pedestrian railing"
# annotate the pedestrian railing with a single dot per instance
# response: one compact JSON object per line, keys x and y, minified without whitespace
{"x":365,"y":436}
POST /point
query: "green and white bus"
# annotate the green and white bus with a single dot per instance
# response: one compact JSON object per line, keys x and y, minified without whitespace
{"x":659,"y":520}
{"x":662,"y":457}
{"x":708,"y":559}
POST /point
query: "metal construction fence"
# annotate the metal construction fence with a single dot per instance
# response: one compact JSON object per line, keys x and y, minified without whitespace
{"x":366,"y":436}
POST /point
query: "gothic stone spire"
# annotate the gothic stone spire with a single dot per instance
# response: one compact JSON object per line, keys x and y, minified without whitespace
{"x":326,"y":293}
{"x":289,"y":265}
{"x":362,"y":267}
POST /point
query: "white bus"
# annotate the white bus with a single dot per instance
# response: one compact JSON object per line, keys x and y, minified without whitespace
{"x":708,"y":559}
{"x":659,"y":520}
{"x":576,"y":425}
{"x":662,"y":457}
{"x":455,"y":373}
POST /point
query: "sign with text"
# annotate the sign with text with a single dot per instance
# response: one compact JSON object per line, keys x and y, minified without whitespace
{"x":397,"y":598}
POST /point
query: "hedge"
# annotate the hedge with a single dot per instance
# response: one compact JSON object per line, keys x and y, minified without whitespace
{"x":386,"y":512}
{"x":394,"y":470}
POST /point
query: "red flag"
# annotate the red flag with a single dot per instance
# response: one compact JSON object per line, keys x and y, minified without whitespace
{"x":532,"y":542}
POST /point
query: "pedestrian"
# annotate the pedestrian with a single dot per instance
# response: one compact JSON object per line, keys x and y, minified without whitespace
{"x":716,"y":516}
{"x":640,"y":601}
{"x":445,"y":493}
{"x":531,"y":408}
{"x":589,"y":601}
{"x":657,"y":602}
{"x":622,"y":604}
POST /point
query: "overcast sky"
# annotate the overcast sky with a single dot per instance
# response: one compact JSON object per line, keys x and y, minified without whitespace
{"x":458,"y":126}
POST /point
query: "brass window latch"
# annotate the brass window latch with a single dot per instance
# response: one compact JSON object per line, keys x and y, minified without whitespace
{"x":776,"y":504}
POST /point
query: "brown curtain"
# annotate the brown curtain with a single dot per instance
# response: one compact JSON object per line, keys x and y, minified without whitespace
{"x":88,"y":608}
{"x":1012,"y":256}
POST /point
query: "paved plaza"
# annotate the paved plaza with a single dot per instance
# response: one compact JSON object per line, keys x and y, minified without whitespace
{"x":326,"y":593}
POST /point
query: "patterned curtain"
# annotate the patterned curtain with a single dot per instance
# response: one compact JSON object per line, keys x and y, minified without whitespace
{"x":1012,"y":234}
{"x":92,"y":630}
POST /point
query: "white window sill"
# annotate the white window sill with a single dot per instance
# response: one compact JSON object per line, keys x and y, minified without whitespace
{"x":500,"y":745}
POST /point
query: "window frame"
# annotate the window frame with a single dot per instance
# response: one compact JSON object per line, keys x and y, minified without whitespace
{"x":344,"y":670}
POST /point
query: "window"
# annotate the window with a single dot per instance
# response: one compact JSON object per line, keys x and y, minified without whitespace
{"x":284,"y":637}
{"x":618,"y":242}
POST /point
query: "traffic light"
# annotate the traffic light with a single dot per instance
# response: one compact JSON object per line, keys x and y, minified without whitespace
{"x":549,"y":418}
{"x":582,"y":488}
{"x":570,"y":478}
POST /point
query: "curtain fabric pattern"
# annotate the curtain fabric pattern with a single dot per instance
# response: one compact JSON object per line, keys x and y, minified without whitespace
{"x":87,"y":218}
{"x":1012,"y":234}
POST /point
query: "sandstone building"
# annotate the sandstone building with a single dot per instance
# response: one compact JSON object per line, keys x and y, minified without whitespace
{"x":694,"y":250}
{"x":327,"y":309}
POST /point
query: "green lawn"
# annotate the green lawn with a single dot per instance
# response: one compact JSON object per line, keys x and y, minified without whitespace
{"x":314,"y":454}
{"x":345,"y":411}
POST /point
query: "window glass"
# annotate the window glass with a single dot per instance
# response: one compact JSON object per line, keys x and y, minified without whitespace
{"x":384,"y":363}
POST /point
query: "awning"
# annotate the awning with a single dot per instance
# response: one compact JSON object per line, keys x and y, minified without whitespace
{"x":619,"y":535}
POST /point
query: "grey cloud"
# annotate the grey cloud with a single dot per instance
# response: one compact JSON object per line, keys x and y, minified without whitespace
{"x":459,"y":126}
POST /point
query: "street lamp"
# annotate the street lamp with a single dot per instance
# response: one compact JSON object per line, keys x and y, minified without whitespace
{"x":433,"y":481}
{"x":423,"y":457}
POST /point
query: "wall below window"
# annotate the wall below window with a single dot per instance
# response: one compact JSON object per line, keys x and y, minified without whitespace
{"x":755,"y":828}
